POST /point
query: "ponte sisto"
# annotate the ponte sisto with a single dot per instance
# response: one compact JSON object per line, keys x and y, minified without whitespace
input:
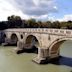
{"x":47,"y":40}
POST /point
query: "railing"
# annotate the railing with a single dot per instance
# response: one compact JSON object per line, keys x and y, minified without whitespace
{"x":42,"y":30}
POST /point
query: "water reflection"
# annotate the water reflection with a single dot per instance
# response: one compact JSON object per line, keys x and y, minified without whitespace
{"x":12,"y":62}
{"x":30,"y":50}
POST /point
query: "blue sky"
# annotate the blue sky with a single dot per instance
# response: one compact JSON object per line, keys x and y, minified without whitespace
{"x":64,"y":9}
{"x":39,"y":9}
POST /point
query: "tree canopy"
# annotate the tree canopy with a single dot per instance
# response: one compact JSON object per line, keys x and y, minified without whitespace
{"x":16,"y":22}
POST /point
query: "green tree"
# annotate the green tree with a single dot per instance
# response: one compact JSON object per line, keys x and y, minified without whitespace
{"x":14,"y":21}
{"x":31,"y":23}
{"x":56,"y":24}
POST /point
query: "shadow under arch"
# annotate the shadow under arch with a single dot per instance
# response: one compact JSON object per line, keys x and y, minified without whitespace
{"x":67,"y":61}
{"x":13,"y":39}
{"x":31,"y":44}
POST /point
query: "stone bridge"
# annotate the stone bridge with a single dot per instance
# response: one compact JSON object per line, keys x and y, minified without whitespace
{"x":46,"y":40}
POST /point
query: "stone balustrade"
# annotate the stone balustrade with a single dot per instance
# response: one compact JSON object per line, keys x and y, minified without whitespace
{"x":43,"y":30}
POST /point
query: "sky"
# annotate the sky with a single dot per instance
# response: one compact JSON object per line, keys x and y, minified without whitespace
{"x":44,"y":10}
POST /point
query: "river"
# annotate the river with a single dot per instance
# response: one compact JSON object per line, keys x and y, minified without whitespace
{"x":12,"y":62}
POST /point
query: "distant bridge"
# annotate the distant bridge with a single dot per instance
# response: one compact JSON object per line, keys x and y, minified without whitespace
{"x":46,"y":40}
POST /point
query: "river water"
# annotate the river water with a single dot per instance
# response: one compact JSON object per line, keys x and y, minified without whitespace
{"x":12,"y":62}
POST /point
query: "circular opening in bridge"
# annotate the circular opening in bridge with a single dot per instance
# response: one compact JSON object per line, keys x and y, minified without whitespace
{"x":21,"y":36}
{"x":14,"y":39}
{"x":31,"y":44}
{"x":4,"y":35}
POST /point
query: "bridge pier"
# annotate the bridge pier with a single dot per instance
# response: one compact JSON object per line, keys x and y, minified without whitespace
{"x":42,"y":56}
{"x":20,"y":46}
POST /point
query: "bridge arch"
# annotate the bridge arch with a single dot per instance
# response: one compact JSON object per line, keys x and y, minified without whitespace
{"x":54,"y":48}
{"x":14,"y":38}
{"x":32,"y":40}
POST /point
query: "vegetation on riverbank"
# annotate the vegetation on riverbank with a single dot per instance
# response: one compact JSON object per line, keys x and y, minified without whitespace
{"x":16,"y":22}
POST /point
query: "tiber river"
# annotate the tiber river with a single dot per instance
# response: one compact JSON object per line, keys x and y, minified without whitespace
{"x":12,"y":62}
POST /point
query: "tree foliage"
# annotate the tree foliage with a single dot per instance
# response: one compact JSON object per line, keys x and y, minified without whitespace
{"x":17,"y":22}
{"x":14,"y":21}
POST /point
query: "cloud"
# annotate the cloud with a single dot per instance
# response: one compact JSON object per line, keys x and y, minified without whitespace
{"x":27,"y":8}
{"x":66,"y":18}
{"x":7,"y":9}
{"x":35,"y":7}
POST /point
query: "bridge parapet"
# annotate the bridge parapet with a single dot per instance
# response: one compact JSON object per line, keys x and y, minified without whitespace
{"x":64,"y":32}
{"x":61,"y":32}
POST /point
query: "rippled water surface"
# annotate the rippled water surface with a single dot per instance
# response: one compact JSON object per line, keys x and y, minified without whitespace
{"x":11,"y":62}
